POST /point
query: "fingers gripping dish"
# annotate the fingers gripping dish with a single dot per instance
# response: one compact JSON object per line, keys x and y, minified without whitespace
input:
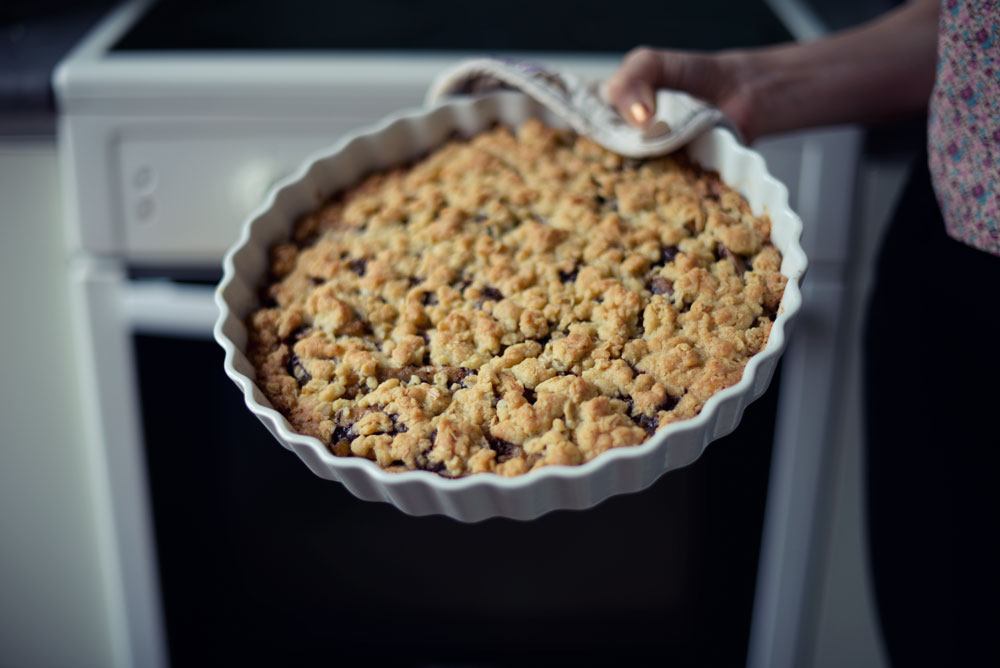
{"x":513,"y":300}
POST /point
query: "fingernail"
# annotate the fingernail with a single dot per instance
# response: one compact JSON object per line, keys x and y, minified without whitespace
{"x":639,"y":113}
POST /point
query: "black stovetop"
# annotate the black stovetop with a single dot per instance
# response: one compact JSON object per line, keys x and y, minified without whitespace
{"x":447,"y":25}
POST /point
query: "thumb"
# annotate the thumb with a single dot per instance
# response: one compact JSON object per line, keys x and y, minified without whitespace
{"x":631,"y":89}
{"x":636,"y":103}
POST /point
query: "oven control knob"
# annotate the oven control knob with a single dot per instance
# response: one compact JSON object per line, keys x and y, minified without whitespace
{"x":144,"y":179}
{"x":145,"y":207}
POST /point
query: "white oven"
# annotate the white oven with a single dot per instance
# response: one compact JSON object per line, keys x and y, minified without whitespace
{"x":163,"y":152}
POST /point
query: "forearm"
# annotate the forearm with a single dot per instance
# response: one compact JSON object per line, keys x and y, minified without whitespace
{"x":879,"y":71}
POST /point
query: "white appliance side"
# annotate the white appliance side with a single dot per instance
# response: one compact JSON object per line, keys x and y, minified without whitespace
{"x":113,"y":432}
{"x":53,"y":575}
{"x":822,"y":185}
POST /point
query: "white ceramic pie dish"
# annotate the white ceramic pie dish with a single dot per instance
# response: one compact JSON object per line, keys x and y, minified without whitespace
{"x":401,"y":138}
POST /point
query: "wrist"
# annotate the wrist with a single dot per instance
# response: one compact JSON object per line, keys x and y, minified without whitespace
{"x":744,"y":79}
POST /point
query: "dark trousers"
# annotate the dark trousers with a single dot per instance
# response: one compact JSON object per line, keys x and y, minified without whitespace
{"x":932,"y":401}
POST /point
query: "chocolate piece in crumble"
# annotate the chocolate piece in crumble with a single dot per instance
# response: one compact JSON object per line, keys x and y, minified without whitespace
{"x":504,"y":449}
{"x":358,"y":266}
{"x":724,"y":253}
{"x":489,"y":292}
{"x":417,"y":320}
{"x":650,"y":424}
{"x":569,"y":276}
{"x":660,"y":286}
{"x":297,"y":371}
{"x":667,"y":255}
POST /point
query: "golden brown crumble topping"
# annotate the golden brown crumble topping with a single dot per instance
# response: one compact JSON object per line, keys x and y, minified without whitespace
{"x":513,"y":301}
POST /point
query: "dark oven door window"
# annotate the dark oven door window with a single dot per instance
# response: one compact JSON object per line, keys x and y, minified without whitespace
{"x":263,"y":563}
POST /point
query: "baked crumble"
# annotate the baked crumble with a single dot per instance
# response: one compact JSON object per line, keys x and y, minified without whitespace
{"x":513,"y":300}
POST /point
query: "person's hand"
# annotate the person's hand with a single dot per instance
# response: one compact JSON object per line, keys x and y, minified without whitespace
{"x":720,"y":79}
{"x":879,"y":71}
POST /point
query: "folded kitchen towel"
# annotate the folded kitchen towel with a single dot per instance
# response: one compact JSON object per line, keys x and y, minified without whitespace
{"x":584,"y":106}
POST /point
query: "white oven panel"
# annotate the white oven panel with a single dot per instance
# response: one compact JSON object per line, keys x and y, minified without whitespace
{"x":184,"y":189}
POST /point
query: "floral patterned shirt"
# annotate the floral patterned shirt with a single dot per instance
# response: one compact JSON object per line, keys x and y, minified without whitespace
{"x":964,"y":122}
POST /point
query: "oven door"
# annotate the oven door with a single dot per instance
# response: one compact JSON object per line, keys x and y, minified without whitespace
{"x":236,"y":553}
